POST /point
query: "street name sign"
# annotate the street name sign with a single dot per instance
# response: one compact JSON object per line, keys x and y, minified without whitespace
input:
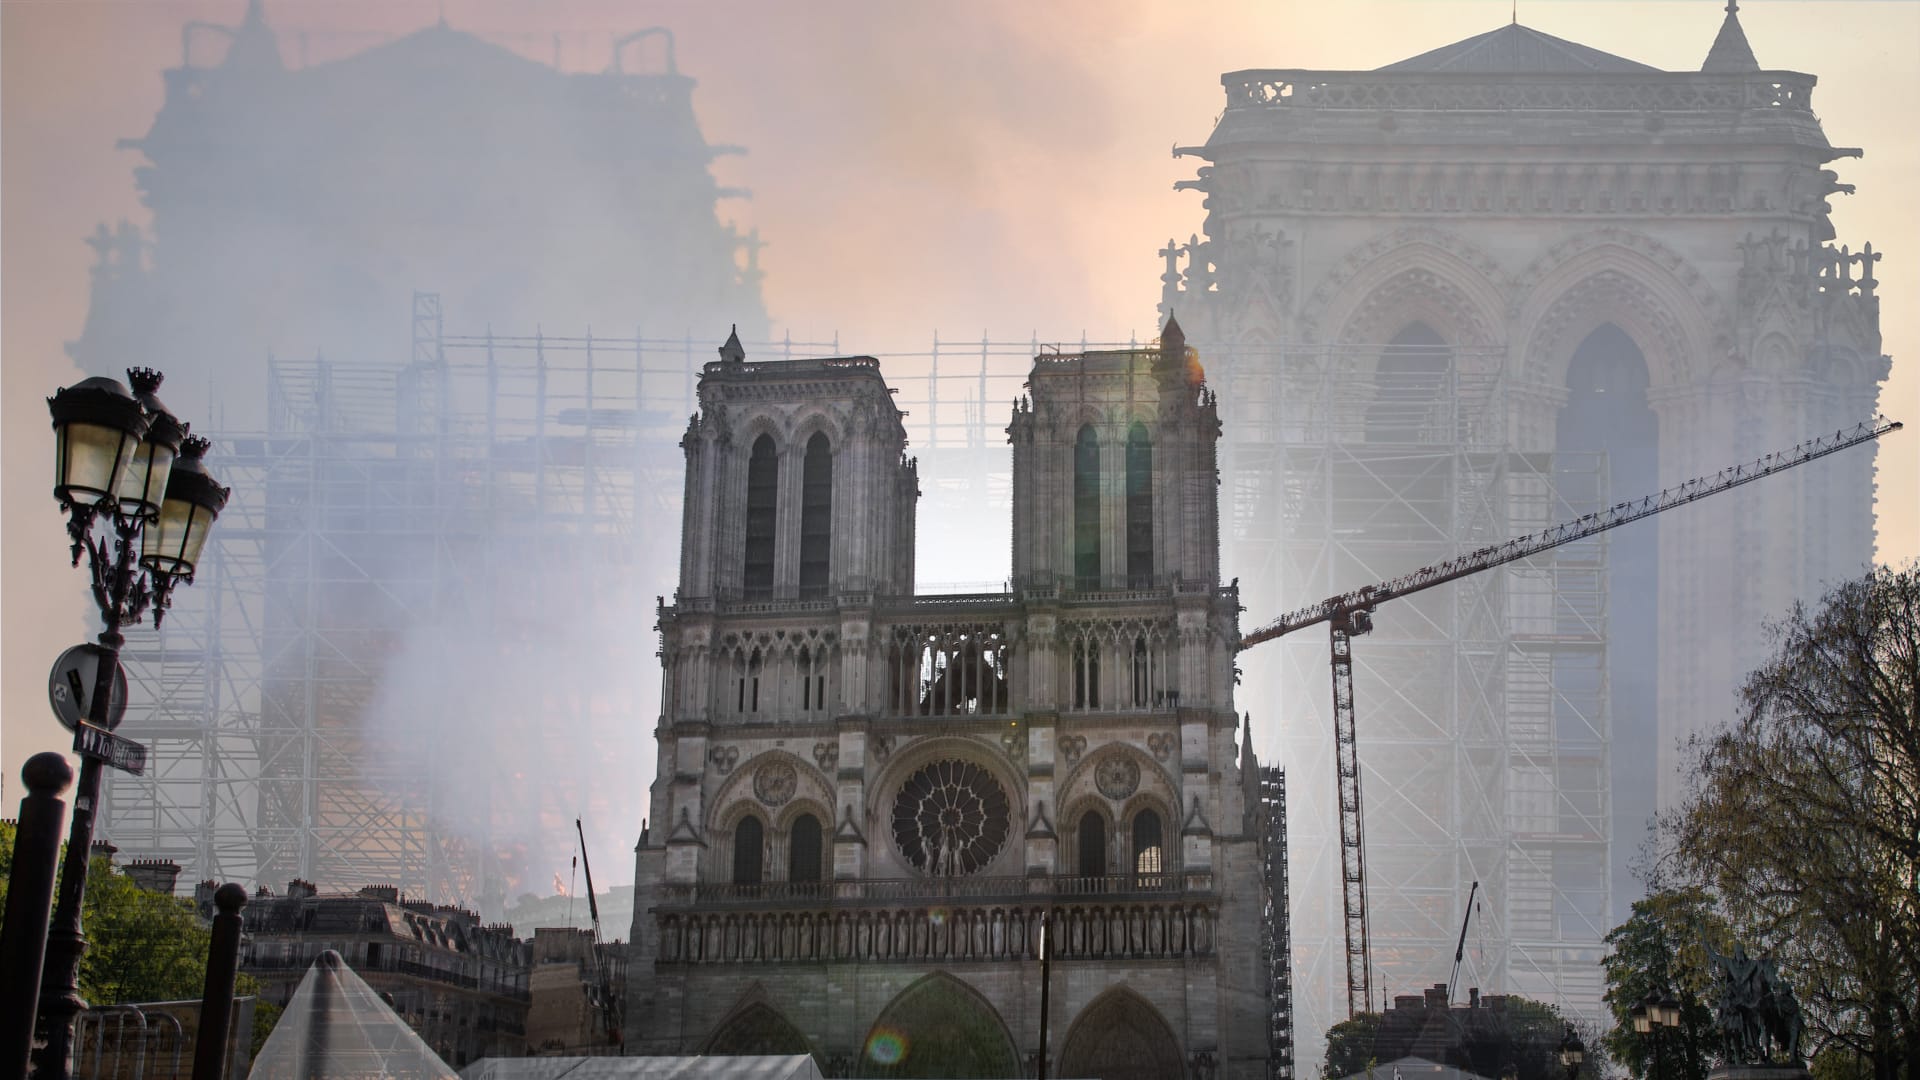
{"x":121,"y":753}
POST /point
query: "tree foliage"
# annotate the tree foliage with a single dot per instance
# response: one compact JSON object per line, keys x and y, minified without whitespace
{"x":1519,"y":1039}
{"x":1661,"y":949}
{"x":1805,"y":817}
{"x":1350,"y":1045}
{"x":141,"y":946}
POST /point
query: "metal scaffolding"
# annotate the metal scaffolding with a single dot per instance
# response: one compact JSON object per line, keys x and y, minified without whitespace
{"x":389,"y":513}
{"x":386,"y":498}
{"x":1482,"y":707}
{"x":1276,"y":936}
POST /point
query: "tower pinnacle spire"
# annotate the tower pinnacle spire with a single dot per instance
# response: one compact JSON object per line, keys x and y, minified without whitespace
{"x":254,"y":46}
{"x":1730,"y":53}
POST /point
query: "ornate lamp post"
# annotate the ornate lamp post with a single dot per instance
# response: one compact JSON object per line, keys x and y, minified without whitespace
{"x":1573,"y":1053}
{"x":139,"y":504}
{"x":1657,"y":1011}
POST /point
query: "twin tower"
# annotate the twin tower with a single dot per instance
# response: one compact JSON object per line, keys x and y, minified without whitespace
{"x":869,"y":802}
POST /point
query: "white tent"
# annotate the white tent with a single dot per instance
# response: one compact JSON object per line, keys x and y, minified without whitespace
{"x":336,"y":1028}
{"x":1414,"y":1068}
{"x":786,"y":1067}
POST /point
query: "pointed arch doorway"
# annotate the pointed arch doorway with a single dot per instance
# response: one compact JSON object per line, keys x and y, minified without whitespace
{"x":939,"y":1027}
{"x":1121,"y":1037}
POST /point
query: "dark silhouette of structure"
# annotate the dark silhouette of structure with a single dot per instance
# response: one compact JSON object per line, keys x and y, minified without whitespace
{"x":1503,"y":282}
{"x":295,"y":209}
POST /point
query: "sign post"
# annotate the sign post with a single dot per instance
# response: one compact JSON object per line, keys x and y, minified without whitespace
{"x":71,"y":686}
{"x":76,"y":679}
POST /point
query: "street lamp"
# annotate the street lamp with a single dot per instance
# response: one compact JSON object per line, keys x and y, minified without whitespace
{"x":1650,"y":1015}
{"x":1573,"y":1053}
{"x":121,"y":461}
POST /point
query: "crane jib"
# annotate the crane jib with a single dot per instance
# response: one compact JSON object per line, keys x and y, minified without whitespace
{"x":1351,"y":613}
{"x":1486,"y":558}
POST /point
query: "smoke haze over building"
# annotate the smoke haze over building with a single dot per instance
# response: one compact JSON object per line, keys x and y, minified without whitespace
{"x":1000,"y":167}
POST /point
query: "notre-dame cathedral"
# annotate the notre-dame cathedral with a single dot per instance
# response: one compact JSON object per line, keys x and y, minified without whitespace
{"x":870,"y":802}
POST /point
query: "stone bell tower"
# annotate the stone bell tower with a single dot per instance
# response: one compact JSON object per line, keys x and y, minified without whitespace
{"x":872,"y":807}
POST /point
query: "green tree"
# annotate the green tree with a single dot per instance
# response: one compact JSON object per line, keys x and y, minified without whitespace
{"x":1805,"y":817}
{"x":1661,"y":949}
{"x":141,"y":946}
{"x":1350,"y":1046}
{"x":1521,"y":1038}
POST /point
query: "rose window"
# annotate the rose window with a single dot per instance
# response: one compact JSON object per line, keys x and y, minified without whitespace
{"x":950,"y":818}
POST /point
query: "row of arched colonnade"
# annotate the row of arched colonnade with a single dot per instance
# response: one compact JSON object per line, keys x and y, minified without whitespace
{"x":1096,"y":931}
{"x":940,"y":1026}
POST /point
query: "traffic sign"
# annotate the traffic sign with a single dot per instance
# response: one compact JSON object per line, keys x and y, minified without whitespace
{"x":121,"y":753}
{"x":71,"y":685}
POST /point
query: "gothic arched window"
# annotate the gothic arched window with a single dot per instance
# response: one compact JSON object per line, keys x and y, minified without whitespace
{"x":1149,"y":851}
{"x":803,"y":849}
{"x":1141,"y":672}
{"x":1606,"y":417}
{"x":816,"y":516}
{"x":763,"y":495}
{"x":1092,"y":844}
{"x":1410,"y":386}
{"x":748,"y":839}
{"x":1139,"y":508}
{"x":1086,"y":510}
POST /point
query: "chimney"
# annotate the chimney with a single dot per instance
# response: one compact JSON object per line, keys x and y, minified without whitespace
{"x":388,"y":893}
{"x":1437,"y":996}
{"x":1473,"y":997}
{"x":104,"y":849}
{"x":154,"y":875}
{"x":299,"y":889}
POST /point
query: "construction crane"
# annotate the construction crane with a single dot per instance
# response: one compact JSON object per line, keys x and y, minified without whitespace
{"x":603,"y":982}
{"x":1460,"y":948}
{"x":1351,"y":613}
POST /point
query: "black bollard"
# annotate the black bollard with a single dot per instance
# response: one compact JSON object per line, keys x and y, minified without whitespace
{"x":23,"y":939}
{"x":216,"y":1003}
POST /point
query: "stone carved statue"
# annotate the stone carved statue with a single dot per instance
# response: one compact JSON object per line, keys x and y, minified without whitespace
{"x":1758,"y":1015}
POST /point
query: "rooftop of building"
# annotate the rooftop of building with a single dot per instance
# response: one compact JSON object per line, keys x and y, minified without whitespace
{"x":1514,"y":49}
{"x":1517,"y":86}
{"x":374,"y":909}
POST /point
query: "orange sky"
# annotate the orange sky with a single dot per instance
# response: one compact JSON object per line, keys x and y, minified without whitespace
{"x":998,"y":165}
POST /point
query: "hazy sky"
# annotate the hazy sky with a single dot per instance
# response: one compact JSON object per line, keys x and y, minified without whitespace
{"x":998,"y":166}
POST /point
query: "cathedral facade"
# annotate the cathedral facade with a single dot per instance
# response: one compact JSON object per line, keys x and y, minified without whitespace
{"x":874,"y":809}
{"x":1458,"y":298}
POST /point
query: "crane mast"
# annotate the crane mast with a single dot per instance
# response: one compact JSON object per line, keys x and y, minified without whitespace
{"x":603,"y":984}
{"x":1351,"y":614}
{"x":1460,"y":948}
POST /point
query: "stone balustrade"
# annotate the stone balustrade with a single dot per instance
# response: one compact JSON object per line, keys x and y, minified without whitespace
{"x":1653,"y":92}
{"x":1176,"y":927}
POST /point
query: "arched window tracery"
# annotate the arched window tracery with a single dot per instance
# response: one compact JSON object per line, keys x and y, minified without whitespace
{"x":804,"y":850}
{"x":1139,"y":508}
{"x":1086,"y":510}
{"x":749,"y":851}
{"x":816,"y":517}
{"x":1410,"y":388}
{"x":956,"y":669}
{"x":1090,"y":843}
{"x":763,"y":498}
{"x":1119,"y":665}
{"x":1149,"y":847}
